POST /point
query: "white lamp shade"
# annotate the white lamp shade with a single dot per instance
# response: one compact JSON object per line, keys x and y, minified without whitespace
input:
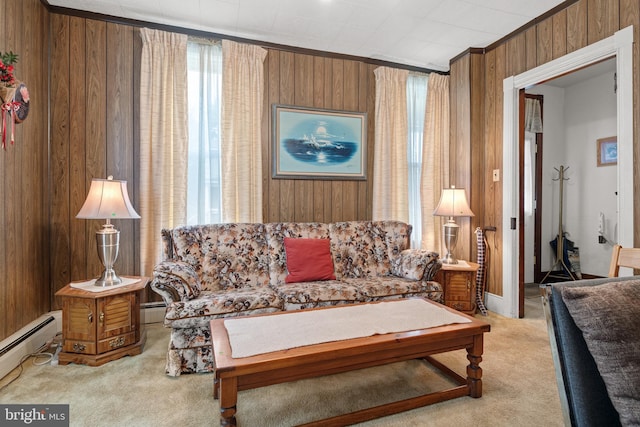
{"x":453,"y":202}
{"x":107,"y":199}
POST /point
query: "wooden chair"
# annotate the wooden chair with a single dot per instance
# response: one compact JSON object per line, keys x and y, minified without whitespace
{"x":624,"y":257}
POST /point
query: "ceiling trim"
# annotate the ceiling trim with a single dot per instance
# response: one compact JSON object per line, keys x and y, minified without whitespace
{"x":471,"y":50}
{"x":205,"y":34}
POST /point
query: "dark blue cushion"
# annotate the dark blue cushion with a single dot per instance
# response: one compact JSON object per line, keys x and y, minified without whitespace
{"x":589,"y":403}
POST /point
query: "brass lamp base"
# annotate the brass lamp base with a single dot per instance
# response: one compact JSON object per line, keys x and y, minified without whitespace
{"x":108,"y":243}
{"x":450,"y":234}
{"x":108,"y":278}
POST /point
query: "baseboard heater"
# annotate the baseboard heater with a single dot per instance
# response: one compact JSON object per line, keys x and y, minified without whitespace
{"x":157,"y":304}
{"x":152,"y":312}
{"x":33,"y":336}
{"x":26,"y":335}
{"x":26,"y":341}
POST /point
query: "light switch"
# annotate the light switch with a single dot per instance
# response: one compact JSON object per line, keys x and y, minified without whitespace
{"x":496,"y":175}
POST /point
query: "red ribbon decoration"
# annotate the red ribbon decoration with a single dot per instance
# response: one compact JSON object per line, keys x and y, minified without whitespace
{"x":8,"y":109}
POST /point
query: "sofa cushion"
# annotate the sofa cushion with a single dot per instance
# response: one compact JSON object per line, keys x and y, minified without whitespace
{"x":360,"y":249}
{"x":211,"y":305}
{"x":609,"y":317}
{"x":377,"y":288}
{"x":313,"y":294}
{"x":275,"y":235}
{"x":308,"y":260}
{"x":226,"y":256}
{"x":397,"y":235}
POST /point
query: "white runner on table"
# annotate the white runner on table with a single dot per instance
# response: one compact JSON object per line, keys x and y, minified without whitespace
{"x":250,"y":336}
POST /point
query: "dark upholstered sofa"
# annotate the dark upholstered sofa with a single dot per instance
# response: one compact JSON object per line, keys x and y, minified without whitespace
{"x":595,"y":350}
{"x":227,"y":270}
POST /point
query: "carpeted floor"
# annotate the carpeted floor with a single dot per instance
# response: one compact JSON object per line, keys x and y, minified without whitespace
{"x":518,"y":387}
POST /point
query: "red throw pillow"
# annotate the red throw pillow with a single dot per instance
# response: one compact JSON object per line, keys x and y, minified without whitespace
{"x":308,"y":260}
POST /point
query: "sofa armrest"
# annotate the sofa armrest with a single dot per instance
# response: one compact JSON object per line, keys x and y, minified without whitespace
{"x":583,"y":394}
{"x":416,"y":264}
{"x":175,"y":281}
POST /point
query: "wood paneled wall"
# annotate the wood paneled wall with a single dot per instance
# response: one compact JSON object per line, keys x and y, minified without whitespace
{"x":24,"y":208}
{"x":578,"y":25}
{"x":466,"y":108}
{"x":319,"y":82}
{"x":94,"y":67}
{"x":94,"y":133}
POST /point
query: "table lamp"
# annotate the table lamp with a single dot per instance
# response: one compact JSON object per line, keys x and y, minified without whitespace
{"x":453,"y":203}
{"x":107,"y":199}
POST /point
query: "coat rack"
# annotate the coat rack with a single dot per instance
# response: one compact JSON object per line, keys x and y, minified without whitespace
{"x":560,"y":237}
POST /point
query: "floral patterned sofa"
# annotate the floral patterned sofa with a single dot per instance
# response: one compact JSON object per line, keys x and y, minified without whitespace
{"x":225,"y":270}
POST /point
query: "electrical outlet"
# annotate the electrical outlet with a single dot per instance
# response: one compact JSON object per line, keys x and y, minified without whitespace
{"x":496,"y":175}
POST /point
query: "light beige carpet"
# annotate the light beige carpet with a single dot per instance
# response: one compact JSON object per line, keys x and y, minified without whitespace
{"x":518,"y":383}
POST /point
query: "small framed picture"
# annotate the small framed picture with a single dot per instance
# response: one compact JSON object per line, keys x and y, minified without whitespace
{"x":608,"y":151}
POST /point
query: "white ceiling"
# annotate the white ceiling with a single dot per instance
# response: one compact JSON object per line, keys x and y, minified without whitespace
{"x":421,"y":33}
{"x":594,"y":70}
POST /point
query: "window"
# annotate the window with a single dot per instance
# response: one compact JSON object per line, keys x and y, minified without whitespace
{"x":416,"y":106}
{"x":204,"y":67}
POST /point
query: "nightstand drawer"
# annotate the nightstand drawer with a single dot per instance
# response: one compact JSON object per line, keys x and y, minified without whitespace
{"x":82,"y":347}
{"x":116,"y":342}
{"x":461,"y":305}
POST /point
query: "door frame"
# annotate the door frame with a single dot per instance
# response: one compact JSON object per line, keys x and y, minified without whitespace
{"x":620,"y":46}
{"x":537,"y":197}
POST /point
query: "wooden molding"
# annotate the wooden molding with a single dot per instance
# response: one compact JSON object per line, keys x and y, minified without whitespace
{"x":210,"y":35}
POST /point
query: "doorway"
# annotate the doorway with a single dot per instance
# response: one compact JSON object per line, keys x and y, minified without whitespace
{"x":620,"y":46}
{"x":582,"y":108}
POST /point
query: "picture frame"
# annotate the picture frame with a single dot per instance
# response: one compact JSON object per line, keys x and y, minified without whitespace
{"x":312,"y":143}
{"x":608,"y":151}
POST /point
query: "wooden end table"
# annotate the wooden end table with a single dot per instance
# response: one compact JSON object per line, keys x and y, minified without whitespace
{"x":459,"y":285}
{"x":99,"y":327}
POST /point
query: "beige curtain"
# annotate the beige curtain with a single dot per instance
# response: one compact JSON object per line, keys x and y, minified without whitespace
{"x":163,"y":140}
{"x":435,"y":159}
{"x":241,"y":143}
{"x":532,"y":115}
{"x":390,"y":168}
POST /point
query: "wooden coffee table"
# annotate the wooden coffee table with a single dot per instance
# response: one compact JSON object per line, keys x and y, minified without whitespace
{"x":233,"y":375}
